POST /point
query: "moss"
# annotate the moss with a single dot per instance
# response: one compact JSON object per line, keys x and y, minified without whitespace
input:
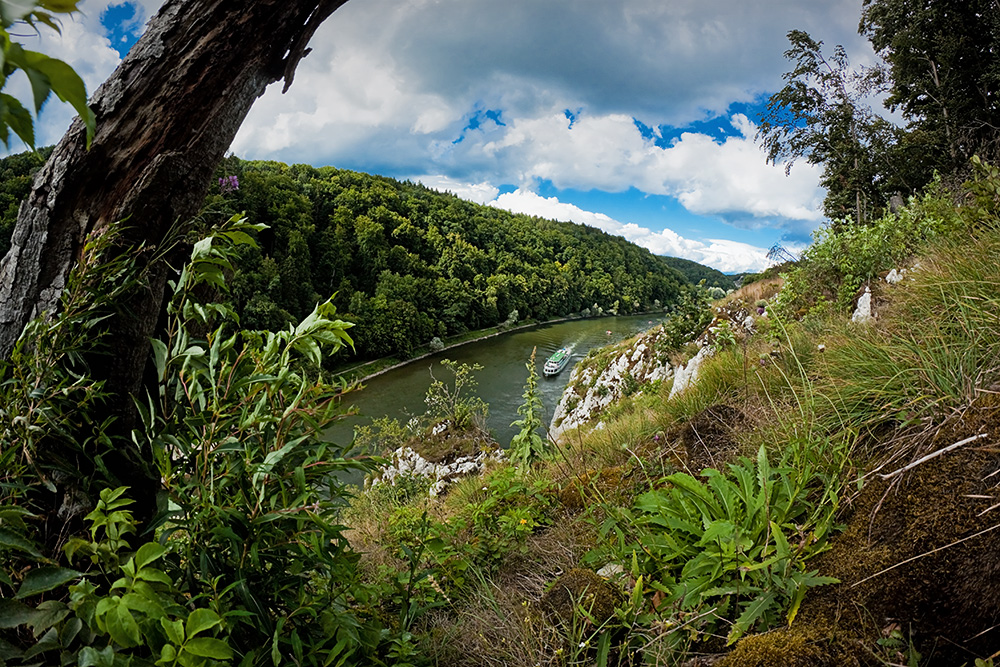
{"x":908,"y":554}
{"x":780,"y":648}
{"x":608,"y":484}
{"x":581,"y":589}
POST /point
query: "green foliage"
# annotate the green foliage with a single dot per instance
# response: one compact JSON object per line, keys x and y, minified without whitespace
{"x":527,"y":446}
{"x":450,"y":401}
{"x":730,"y":550}
{"x":933,"y":366}
{"x":141,"y":619}
{"x":843,"y":257}
{"x":686,"y":321}
{"x":944,"y":61}
{"x":16,"y":175}
{"x":46,"y":75}
{"x":409,"y":264}
{"x":820,"y":115}
{"x":54,"y":417}
{"x":236,"y":430}
{"x":694,"y":273}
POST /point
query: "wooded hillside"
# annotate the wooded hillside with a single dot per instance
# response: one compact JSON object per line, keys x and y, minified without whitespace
{"x":408,"y":263}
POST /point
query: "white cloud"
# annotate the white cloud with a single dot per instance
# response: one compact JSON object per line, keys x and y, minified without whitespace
{"x":390,"y":87}
{"x":481,"y":193}
{"x":726,"y":256}
{"x":728,"y":179}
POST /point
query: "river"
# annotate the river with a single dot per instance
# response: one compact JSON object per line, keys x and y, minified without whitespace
{"x":399,"y":393}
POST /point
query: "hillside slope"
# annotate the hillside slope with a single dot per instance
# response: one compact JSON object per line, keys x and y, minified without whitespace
{"x":822,"y":491}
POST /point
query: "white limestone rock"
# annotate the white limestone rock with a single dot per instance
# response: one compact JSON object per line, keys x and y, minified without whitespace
{"x":863,"y":313}
{"x":686,"y":374}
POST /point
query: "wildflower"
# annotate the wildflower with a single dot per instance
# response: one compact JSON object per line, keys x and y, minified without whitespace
{"x":524,"y":521}
{"x":229,"y":184}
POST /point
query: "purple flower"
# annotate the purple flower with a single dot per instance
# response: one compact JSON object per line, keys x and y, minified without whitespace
{"x":229,"y":184}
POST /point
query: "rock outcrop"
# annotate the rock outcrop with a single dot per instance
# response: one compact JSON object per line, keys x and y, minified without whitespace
{"x":595,"y":383}
{"x":405,"y":461}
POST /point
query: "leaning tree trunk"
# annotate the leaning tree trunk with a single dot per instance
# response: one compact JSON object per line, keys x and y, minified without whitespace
{"x":165,"y":118}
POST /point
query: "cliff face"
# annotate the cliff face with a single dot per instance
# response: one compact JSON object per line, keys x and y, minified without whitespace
{"x":603,"y":379}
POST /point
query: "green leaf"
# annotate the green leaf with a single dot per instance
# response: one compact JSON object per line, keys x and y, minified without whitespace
{"x":148,"y":553}
{"x":122,"y":626}
{"x":718,"y":530}
{"x":168,"y":655}
{"x":149,"y":606}
{"x":153,"y":575}
{"x":14,"y":613}
{"x":174,"y":630}
{"x":209,"y":647}
{"x":12,"y":540}
{"x":42,"y":579}
{"x":200,"y":620}
{"x":757,"y":608}
{"x":46,"y":615}
{"x":91,"y":657}
{"x":12,"y":11}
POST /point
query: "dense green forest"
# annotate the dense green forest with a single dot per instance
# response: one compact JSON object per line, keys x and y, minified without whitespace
{"x":694,"y":273}
{"x":406,"y":263}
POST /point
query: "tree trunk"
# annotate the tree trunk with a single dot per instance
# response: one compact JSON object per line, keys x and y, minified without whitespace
{"x":165,"y":118}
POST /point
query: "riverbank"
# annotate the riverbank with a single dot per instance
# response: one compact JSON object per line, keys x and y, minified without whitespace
{"x":371,"y":369}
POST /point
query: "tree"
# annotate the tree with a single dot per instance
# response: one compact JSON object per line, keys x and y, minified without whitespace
{"x":944,"y":58}
{"x":819,"y":115}
{"x":164,"y":120}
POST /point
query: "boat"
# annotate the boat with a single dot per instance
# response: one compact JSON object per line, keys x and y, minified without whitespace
{"x":556,"y":362}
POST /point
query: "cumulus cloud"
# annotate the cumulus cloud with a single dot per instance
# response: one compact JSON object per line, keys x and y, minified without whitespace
{"x":392,"y":88}
{"x":724,"y":255}
{"x":481,"y":193}
{"x":727,"y":178}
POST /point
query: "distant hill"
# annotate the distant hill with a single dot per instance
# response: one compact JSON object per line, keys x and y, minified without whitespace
{"x":694,"y":273}
{"x":404,"y":262}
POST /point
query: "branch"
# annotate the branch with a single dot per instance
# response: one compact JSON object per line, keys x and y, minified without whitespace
{"x":299,"y":49}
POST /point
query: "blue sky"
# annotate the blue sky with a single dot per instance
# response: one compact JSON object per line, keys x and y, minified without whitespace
{"x":635,"y":116}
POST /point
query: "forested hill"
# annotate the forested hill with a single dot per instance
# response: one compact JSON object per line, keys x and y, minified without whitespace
{"x":407,"y":263}
{"x":694,"y":273}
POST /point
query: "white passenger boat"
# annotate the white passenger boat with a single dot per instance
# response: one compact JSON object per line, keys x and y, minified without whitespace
{"x":557,"y":362}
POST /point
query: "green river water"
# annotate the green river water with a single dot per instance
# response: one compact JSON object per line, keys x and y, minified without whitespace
{"x":399,"y":393}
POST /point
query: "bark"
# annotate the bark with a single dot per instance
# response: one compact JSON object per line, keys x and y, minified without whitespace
{"x":165,"y":118}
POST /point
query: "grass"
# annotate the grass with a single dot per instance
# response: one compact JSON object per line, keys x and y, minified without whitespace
{"x":816,"y":406}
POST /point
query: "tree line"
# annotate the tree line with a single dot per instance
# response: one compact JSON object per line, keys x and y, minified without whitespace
{"x":939,"y":71}
{"x":408,"y":264}
{"x":405,"y":263}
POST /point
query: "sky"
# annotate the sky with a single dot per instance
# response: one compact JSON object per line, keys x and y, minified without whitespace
{"x":634,"y":116}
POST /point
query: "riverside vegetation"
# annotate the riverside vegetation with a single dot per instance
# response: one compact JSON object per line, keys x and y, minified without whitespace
{"x":825,"y":493}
